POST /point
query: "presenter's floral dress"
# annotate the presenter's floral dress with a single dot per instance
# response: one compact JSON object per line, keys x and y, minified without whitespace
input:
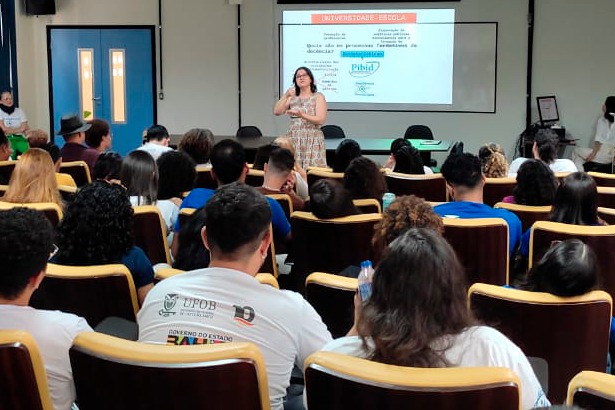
{"x":307,"y":138}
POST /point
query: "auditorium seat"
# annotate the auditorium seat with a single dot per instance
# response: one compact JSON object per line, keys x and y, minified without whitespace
{"x":92,"y":292}
{"x":600,"y":238}
{"x":430,"y":187}
{"x":482,"y":247}
{"x":603,"y":179}
{"x":527,"y":214}
{"x":606,"y":197}
{"x":150,"y":233}
{"x":6,"y":169}
{"x":540,"y":324}
{"x":79,"y":170}
{"x":112,"y":373}
{"x":255,"y":177}
{"x":368,"y":205}
{"x":51,"y":210}
{"x":332,"y":131}
{"x":248,"y":131}
{"x":204,"y":179}
{"x":23,"y":382}
{"x":592,"y":390}
{"x":335,"y":381}
{"x":497,"y":188}
{"x":607,"y":215}
{"x":329,"y":245}
{"x":333,"y":298}
{"x":65,"y":179}
{"x":421,"y":132}
{"x":316,"y":174}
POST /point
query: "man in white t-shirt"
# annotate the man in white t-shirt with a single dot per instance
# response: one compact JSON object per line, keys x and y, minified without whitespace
{"x":12,"y":119}
{"x":26,"y":241}
{"x":225,"y":303}
{"x":546,"y":144}
{"x":157,"y":138}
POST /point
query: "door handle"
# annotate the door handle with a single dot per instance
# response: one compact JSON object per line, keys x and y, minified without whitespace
{"x":96,"y":98}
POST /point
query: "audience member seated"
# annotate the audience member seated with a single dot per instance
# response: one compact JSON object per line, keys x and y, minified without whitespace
{"x":575,"y":203}
{"x":405,"y":158}
{"x":405,"y":212}
{"x":33,"y":180}
{"x":280,"y":323}
{"x":176,"y":174}
{"x":262,"y":156}
{"x":493,"y":161}
{"x":329,"y":199}
{"x":604,"y":140}
{"x":228,"y":160}
{"x":157,"y":141}
{"x":536,"y":185}
{"x":5,"y":153}
{"x":99,"y":135}
{"x":37,"y":138}
{"x":465,"y":182}
{"x":417,"y":316}
{"x":280,"y":178}
{"x":54,"y":153}
{"x":26,"y":241}
{"x":546,"y":143}
{"x":197,"y":143}
{"x":73,"y":130}
{"x":363,"y":179}
{"x":107,"y":167}
{"x":140,"y":177}
{"x":191,"y":252}
{"x":97,"y":230}
{"x":300,"y":174}
{"x":346,"y":151}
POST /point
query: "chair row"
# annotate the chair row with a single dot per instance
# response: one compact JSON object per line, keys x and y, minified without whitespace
{"x":78,"y":170}
{"x":116,"y":373}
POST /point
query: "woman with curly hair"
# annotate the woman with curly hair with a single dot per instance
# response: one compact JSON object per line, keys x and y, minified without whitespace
{"x":417,"y":316}
{"x":405,"y":212}
{"x":493,"y":161}
{"x":97,"y":229}
{"x":139,"y":175}
{"x":197,"y":143}
{"x":176,"y":175}
{"x":33,"y":179}
{"x":536,"y":185}
{"x":363,"y":179}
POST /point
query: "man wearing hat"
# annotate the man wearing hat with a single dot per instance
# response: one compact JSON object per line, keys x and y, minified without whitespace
{"x":73,"y":130}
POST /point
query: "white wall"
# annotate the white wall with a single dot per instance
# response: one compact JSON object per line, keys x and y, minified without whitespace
{"x":201,"y":79}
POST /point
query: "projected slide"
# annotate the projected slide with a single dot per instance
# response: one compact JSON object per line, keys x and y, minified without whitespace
{"x":372,"y":56}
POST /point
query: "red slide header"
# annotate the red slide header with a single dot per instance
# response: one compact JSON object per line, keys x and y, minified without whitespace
{"x":364,"y":18}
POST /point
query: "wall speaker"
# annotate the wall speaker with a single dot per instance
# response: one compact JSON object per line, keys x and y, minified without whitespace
{"x":38,"y":7}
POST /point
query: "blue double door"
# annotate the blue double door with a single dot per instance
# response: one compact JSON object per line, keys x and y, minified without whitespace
{"x":104,"y":73}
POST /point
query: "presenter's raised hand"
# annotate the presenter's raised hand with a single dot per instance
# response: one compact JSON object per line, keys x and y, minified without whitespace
{"x":290,"y":93}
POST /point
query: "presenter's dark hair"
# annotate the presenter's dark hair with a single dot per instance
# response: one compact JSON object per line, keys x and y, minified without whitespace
{"x":547,"y":143}
{"x":610,"y":108}
{"x":237,"y":218}
{"x":462,"y":170}
{"x":139,"y":175}
{"x":329,"y":199}
{"x":576,"y":201}
{"x":418,"y":297}
{"x":176,"y":174}
{"x":536,"y":184}
{"x":26,"y":240}
{"x":346,"y":151}
{"x":157,"y":133}
{"x":227,"y":160}
{"x":408,"y":160}
{"x":108,"y":166}
{"x":313,"y":87}
{"x":570,"y":268}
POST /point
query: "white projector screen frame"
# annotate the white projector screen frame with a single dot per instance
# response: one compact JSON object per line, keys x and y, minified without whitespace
{"x":474,"y":79}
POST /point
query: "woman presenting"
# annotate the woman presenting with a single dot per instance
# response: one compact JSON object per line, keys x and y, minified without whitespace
{"x":604,"y":142}
{"x":308,"y":111}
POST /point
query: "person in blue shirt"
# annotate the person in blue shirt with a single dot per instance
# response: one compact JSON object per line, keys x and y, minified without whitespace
{"x":228,"y":161}
{"x":465,"y":182}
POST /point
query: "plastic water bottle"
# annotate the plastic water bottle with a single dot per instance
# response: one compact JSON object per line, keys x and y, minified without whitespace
{"x":387,"y":198}
{"x":365,"y":280}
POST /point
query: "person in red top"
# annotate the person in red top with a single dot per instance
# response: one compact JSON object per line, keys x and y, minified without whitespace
{"x":73,"y":130}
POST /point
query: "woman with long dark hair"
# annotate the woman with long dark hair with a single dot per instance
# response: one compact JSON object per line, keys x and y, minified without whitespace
{"x":307,"y":110}
{"x":417,"y":316}
{"x":604,"y":140}
{"x":346,"y":151}
{"x":139,"y":175}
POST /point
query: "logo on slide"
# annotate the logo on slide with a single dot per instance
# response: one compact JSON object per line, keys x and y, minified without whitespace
{"x":363,"y":89}
{"x":361,"y":70}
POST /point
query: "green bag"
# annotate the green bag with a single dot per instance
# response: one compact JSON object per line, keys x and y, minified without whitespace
{"x":19,"y":145}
